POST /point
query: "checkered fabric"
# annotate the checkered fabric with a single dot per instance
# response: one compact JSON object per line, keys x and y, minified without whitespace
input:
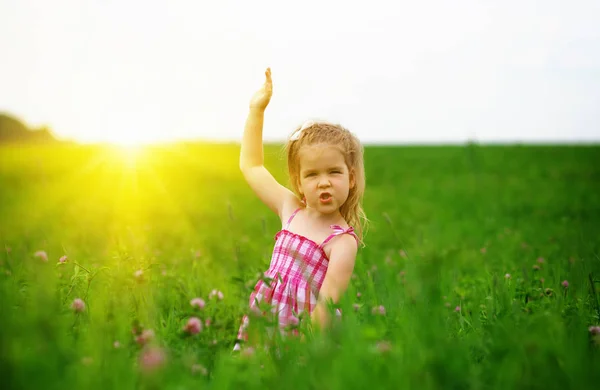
{"x":294,"y":278}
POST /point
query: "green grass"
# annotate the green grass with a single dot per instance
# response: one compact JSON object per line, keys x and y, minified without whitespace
{"x":447,"y":224}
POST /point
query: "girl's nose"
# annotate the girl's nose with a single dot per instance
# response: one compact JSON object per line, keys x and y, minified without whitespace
{"x":324,"y":182}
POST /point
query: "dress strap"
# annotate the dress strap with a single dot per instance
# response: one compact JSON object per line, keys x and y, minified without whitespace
{"x":292,"y":217}
{"x":337,"y":230}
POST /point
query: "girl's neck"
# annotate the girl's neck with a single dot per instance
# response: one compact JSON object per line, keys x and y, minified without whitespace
{"x":331,"y":218}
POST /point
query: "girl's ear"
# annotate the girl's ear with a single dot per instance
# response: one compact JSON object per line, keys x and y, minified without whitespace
{"x":352,"y":179}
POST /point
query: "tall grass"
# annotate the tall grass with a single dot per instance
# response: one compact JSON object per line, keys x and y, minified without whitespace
{"x":484,"y":259}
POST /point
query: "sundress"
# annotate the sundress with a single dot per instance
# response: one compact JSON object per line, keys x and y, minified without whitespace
{"x":294,"y":278}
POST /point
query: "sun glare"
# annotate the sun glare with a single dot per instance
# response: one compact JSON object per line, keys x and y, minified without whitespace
{"x":129,"y":154}
{"x":130,"y":147}
{"x":127,"y":135}
{"x":129,"y":141}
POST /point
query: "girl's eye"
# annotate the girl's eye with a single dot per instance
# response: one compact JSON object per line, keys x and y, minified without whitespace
{"x":336,"y":172}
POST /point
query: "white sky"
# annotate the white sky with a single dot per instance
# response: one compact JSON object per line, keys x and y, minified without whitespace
{"x":406,"y":71}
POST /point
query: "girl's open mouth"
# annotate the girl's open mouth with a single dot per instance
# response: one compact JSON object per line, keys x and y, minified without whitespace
{"x":325,"y":197}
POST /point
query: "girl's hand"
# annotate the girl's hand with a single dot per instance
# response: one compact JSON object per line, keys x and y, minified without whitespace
{"x":261,"y":98}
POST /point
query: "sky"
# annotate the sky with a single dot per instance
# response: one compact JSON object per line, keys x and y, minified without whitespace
{"x":428,"y":71}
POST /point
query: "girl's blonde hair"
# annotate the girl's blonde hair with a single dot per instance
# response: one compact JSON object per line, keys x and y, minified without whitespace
{"x":351,"y":148}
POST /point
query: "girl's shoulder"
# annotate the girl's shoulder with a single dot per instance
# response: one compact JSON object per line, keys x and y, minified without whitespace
{"x":290,"y":206}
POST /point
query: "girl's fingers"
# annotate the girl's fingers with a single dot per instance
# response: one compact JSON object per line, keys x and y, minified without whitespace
{"x":268,"y":82}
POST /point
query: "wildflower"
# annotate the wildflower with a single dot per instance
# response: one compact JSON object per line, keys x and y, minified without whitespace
{"x":63,"y":259}
{"x":86,"y":360}
{"x":356,"y":306}
{"x":193,"y":326}
{"x":152,"y":359}
{"x":199,"y":368}
{"x":207,"y":322}
{"x":78,"y":305}
{"x":247,"y":352}
{"x":594,"y":330}
{"x":565,"y":283}
{"x":197,"y":254}
{"x":117,"y":344}
{"x":216,"y":293}
{"x":197,"y":303}
{"x":540,"y":260}
{"x":294,"y":321}
{"x":139,"y":274}
{"x":447,"y":304}
{"x":507,"y":276}
{"x":42,"y":255}
{"x":483,"y":250}
{"x":383,"y":347}
{"x":457,"y":309}
{"x":378,"y":310}
{"x":402,"y":273}
{"x":402,"y":253}
{"x":536,"y":267}
{"x":145,"y":337}
{"x":358,"y":295}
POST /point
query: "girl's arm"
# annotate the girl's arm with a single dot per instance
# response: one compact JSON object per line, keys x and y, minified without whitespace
{"x":273,"y":194}
{"x":339,"y":271}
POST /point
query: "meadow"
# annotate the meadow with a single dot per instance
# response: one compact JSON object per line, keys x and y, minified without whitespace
{"x":481,"y":270}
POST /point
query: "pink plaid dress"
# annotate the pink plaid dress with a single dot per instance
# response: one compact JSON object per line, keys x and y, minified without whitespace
{"x":296,"y":273}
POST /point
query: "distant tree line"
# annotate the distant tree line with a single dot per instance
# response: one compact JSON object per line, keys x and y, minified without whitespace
{"x":13,"y":131}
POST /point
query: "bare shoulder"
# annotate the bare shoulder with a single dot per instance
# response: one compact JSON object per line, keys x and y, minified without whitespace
{"x":290,"y":204}
{"x":345,"y":246}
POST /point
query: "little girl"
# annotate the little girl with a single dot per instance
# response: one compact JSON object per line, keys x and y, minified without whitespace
{"x":322,"y":219}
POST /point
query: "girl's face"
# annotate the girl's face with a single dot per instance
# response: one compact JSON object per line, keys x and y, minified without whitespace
{"x":324,"y":177}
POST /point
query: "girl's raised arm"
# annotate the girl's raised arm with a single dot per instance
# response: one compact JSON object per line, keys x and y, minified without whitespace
{"x":273,"y":194}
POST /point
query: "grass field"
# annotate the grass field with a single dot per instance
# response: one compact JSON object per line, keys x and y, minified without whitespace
{"x":486,"y":260}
